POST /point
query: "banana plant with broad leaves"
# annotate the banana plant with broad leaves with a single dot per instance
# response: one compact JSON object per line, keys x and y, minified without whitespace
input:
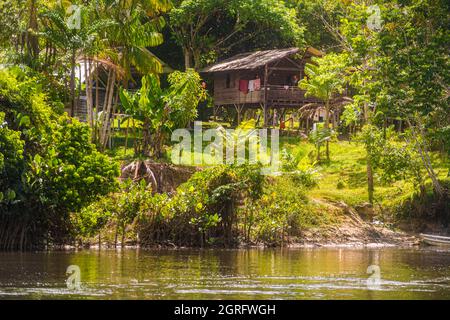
{"x":160,"y":110}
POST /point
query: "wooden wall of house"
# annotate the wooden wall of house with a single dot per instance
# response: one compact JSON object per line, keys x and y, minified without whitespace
{"x":226,"y":89}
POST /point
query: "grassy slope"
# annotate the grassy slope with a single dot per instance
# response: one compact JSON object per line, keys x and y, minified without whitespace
{"x":344,"y":177}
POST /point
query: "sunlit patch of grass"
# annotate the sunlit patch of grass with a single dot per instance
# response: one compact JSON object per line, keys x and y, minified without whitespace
{"x":344,"y":177}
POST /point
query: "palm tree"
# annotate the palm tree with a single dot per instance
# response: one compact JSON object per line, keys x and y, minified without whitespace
{"x":112,"y":33}
{"x":136,"y":26}
{"x":324,"y":81}
{"x":71,"y":42}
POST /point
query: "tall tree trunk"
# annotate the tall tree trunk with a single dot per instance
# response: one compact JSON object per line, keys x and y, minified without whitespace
{"x":116,"y":235}
{"x":187,"y":58}
{"x":122,"y":242}
{"x":369,"y":169}
{"x":107,"y":108}
{"x":146,"y":139}
{"x":370,"y":186}
{"x":88,"y":83}
{"x":32,"y":39}
{"x":327,"y":126}
{"x":97,"y":103}
{"x":91,"y":97}
{"x":72,"y":83}
{"x":135,"y":140}
{"x":101,"y":118}
{"x":422,"y":149}
{"x":196,"y":55}
{"x":126,"y":137}
{"x":111,"y":123}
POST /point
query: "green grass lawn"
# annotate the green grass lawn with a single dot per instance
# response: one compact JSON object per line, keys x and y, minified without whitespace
{"x":344,"y":177}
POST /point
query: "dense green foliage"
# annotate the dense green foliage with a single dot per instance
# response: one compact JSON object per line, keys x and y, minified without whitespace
{"x":49,"y":167}
{"x":208,"y":29}
{"x":11,"y":160}
{"x":202,"y":211}
{"x":283,"y":212}
{"x":220,"y":206}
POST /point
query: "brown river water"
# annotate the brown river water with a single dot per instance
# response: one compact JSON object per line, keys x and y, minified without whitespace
{"x":305,"y":273}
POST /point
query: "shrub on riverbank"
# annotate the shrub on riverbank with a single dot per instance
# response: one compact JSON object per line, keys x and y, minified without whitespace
{"x":282,"y":213}
{"x":52,"y":168}
{"x":218,"y":206}
{"x":203,"y":210}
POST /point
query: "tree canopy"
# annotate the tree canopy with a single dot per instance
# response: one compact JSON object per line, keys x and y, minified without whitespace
{"x":207,"y":29}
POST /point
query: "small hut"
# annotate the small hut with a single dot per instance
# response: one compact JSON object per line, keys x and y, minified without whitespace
{"x":262,"y":79}
{"x":100,"y":68}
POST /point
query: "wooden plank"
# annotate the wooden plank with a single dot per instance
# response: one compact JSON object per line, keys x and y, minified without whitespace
{"x":285,"y":69}
{"x":266,"y":78}
{"x":294,"y":63}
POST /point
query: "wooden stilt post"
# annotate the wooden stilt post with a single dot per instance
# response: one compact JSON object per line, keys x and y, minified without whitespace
{"x":307,"y":122}
{"x":239,"y":108}
{"x":266,"y":78}
{"x":334,"y":120}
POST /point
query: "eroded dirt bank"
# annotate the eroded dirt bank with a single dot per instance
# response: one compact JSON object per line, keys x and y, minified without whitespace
{"x":354,"y":229}
{"x":163,"y":177}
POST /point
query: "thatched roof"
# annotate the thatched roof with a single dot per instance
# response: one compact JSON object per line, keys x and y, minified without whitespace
{"x":256,"y":59}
